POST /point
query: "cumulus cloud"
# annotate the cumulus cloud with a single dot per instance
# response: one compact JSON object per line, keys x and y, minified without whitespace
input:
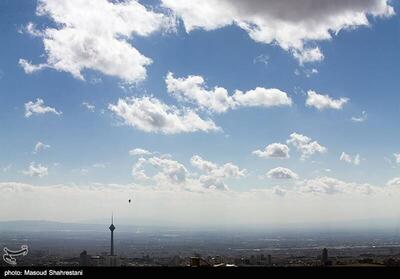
{"x":38,"y":107}
{"x":214,"y":175}
{"x":293,"y":25}
{"x":356,"y":160}
{"x":172,"y":170}
{"x":274,"y":150}
{"x":282,"y":173}
{"x":168,"y":172}
{"x":96,"y":35}
{"x":262,"y":97}
{"x":305,"y":145}
{"x":36,"y":170}
{"x":138,"y":171}
{"x":362,"y":118}
{"x":150,"y":115}
{"x":322,"y":102}
{"x":193,"y":89}
{"x":164,"y":171}
{"x":40,"y":146}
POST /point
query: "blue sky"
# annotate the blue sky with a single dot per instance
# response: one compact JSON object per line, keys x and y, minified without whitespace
{"x":360,"y":63}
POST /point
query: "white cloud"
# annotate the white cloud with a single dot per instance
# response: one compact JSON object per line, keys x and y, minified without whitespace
{"x":40,"y":146}
{"x":274,"y":150}
{"x":282,"y":173}
{"x":38,"y":107}
{"x":138,"y":171}
{"x":36,"y":170}
{"x":395,"y":182}
{"x":322,"y":102}
{"x":362,"y":118}
{"x":30,"y":68}
{"x":397,"y":157}
{"x":168,"y":172}
{"x":293,"y":25}
{"x":172,"y":174}
{"x":193,"y":89}
{"x":305,"y":145}
{"x":214,"y":175}
{"x":308,"y":55}
{"x":148,"y":114}
{"x":225,"y":171}
{"x":89,"y":106}
{"x":140,"y":152}
{"x":332,"y":200}
{"x":330,"y":186}
{"x":262,"y":97}
{"x":31,"y":29}
{"x":170,"y":169}
{"x":349,"y":159}
{"x":357,"y":160}
{"x":96,"y":35}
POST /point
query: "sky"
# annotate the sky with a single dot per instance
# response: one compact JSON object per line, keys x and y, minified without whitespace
{"x":201,"y":112}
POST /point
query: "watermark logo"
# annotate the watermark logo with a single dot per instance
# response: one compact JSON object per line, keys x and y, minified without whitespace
{"x":9,"y":256}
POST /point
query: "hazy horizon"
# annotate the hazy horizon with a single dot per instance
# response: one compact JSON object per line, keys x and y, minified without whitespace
{"x":203,"y":113}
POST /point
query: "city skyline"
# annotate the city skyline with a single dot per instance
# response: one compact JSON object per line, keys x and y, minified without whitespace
{"x":229,"y":112}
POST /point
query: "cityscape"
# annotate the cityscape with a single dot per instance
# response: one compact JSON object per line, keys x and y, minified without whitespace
{"x":225,"y":134}
{"x":72,"y":245}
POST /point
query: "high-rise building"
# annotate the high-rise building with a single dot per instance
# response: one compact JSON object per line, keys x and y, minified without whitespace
{"x":84,"y":259}
{"x":324,"y":257}
{"x":269,"y":260}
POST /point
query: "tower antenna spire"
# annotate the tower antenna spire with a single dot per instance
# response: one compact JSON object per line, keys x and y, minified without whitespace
{"x":112,"y":228}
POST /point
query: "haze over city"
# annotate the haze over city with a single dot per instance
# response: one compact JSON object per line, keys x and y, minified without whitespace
{"x":205,"y":114}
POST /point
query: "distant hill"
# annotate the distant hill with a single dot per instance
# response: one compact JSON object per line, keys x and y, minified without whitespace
{"x":37,"y":226}
{"x":366,"y":226}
